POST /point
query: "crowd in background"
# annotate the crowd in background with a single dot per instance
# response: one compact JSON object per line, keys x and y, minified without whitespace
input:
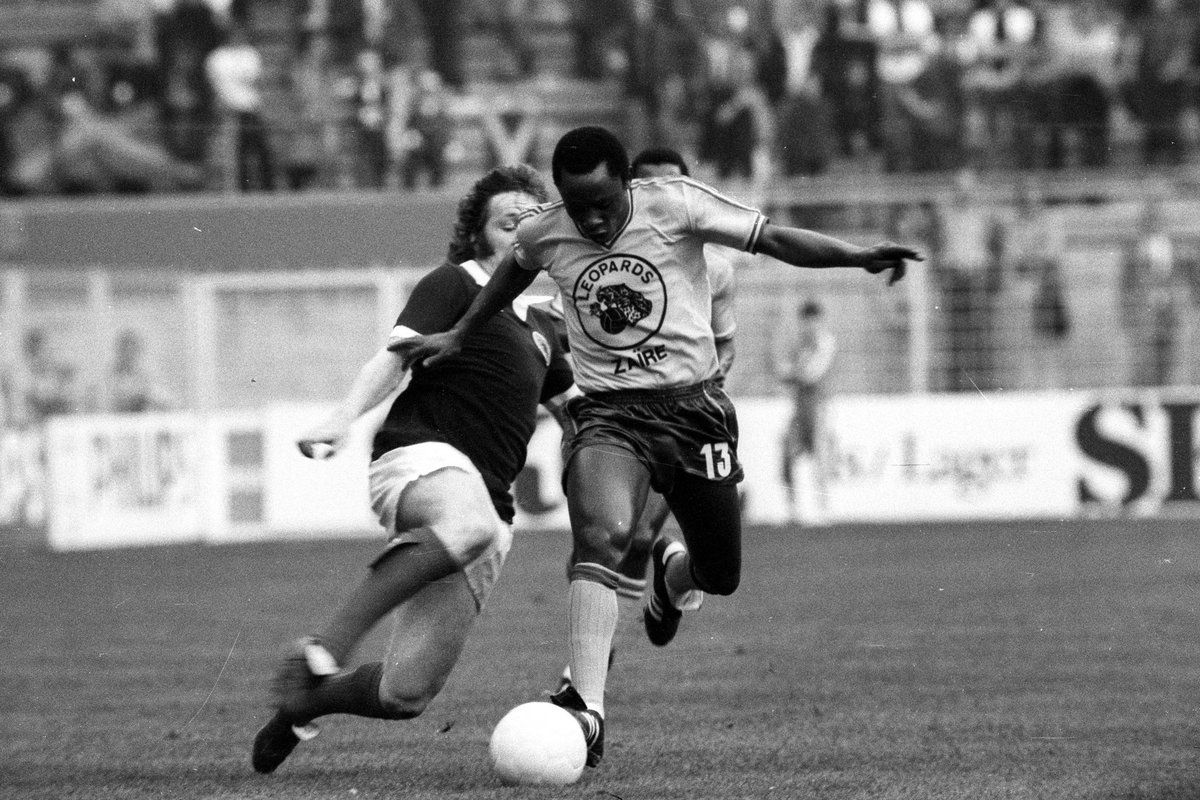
{"x":189,"y":94}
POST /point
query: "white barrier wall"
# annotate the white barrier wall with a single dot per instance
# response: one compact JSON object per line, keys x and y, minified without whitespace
{"x":114,"y":481}
{"x":905,"y":459}
{"x":124,"y":481}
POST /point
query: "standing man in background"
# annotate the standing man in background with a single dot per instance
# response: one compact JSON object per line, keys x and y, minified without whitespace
{"x":805,"y":368}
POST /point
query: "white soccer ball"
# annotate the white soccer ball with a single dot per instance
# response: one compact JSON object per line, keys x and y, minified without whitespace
{"x":538,"y":744}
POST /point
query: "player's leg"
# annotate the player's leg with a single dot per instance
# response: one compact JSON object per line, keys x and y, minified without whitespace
{"x":710,"y":518}
{"x":606,"y":486}
{"x":699,"y":440}
{"x":709,"y":559}
{"x":430,"y":630}
{"x":789,"y":448}
{"x":443,"y":520}
{"x":818,"y":446}
{"x":632,"y":569}
{"x":807,"y":498}
{"x":437,"y":503}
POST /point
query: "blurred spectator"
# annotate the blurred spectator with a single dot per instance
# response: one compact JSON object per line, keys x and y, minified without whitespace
{"x":187,"y":33}
{"x":962,"y":266}
{"x":1155,"y":299}
{"x":998,"y":44}
{"x":1075,"y":79}
{"x":129,"y":386}
{"x":427,"y":133}
{"x":10,"y":415}
{"x":188,"y":107}
{"x":311,"y":110}
{"x":16,"y":92}
{"x":845,"y":58}
{"x":49,"y":384}
{"x":1030,"y":305}
{"x":765,"y":38}
{"x":96,"y":153}
{"x":738,"y":132}
{"x":924,"y":113}
{"x":235,"y":71}
{"x":594,"y":27}
{"x":806,"y":140}
{"x":663,"y":53}
{"x":444,"y":24}
{"x":511,"y":122}
{"x":508,"y":21}
{"x":798,"y":28}
{"x":805,"y":367}
{"x":132,"y":90}
{"x":1165,"y":48}
{"x":372,"y":114}
{"x":902,"y":29}
{"x":93,"y":124}
{"x":343,"y":21}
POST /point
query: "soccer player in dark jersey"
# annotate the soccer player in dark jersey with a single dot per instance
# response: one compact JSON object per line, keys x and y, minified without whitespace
{"x":628,"y":258}
{"x":442,"y":465}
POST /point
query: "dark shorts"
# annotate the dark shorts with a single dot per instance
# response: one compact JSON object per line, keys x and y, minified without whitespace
{"x":804,"y":425}
{"x":692,"y":429}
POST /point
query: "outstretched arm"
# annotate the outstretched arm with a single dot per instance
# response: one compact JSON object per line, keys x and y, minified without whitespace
{"x":508,"y":281}
{"x":377,"y":379}
{"x":805,"y":248}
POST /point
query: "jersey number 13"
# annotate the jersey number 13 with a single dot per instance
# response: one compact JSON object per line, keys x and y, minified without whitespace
{"x":718,"y":460}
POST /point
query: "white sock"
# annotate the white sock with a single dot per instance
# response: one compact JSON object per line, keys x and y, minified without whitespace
{"x":593,"y":615}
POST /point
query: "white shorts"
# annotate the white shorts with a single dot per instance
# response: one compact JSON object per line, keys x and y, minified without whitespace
{"x":390,"y":475}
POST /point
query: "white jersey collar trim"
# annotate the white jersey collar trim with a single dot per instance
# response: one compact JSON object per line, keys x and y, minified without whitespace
{"x":520,"y":305}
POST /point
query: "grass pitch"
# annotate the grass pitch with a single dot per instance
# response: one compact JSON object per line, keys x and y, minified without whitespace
{"x":1030,"y":660}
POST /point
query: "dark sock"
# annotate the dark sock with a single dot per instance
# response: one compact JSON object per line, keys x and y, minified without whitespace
{"x":354,"y":692}
{"x":396,"y":576}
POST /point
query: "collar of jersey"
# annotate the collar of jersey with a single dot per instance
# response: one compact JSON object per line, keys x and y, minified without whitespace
{"x":520,"y":305}
{"x":613,"y":239}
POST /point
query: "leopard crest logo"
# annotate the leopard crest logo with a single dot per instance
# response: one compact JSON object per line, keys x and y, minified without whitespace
{"x":620,"y":300}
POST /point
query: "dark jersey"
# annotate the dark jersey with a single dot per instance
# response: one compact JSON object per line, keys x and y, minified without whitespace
{"x":484,"y":400}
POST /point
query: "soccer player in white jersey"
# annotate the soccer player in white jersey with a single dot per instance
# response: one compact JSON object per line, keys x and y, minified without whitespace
{"x":664,"y":162}
{"x":443,"y":462}
{"x":628,"y":258}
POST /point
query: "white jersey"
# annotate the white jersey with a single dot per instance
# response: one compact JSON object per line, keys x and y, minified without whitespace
{"x":638,"y":310}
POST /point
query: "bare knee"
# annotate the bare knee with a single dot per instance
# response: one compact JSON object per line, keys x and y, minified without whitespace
{"x":405,"y":701}
{"x":473,"y":533}
{"x":601,"y":543}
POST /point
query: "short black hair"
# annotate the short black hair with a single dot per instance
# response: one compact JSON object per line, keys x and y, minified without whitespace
{"x":472,"y":209}
{"x":810,"y":308}
{"x":652,"y":156}
{"x":581,"y":150}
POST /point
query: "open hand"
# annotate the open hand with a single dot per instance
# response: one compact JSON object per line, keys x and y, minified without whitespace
{"x":429,"y":350}
{"x":325,"y":440}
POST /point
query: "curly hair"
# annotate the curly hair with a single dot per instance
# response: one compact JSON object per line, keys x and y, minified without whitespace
{"x":466,"y":241}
